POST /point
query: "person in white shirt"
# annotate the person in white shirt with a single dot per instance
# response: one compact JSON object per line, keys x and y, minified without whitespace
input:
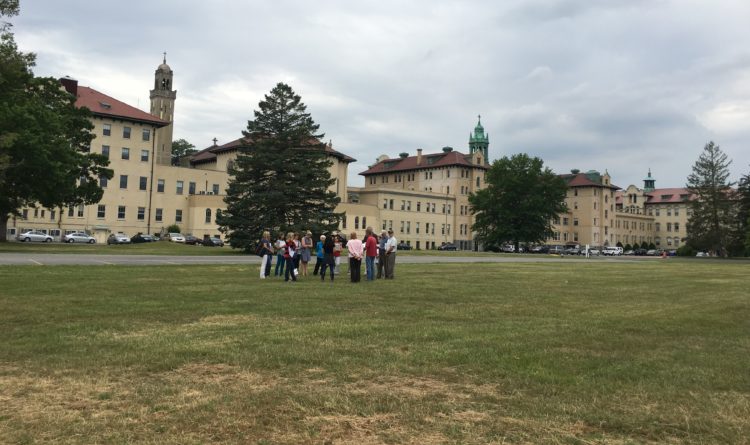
{"x":391,"y":246}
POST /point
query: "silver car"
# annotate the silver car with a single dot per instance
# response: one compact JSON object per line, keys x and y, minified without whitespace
{"x":34,"y":235}
{"x":79,"y":237}
{"x":118,"y":238}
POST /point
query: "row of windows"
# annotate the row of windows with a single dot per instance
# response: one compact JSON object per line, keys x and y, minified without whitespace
{"x":101,"y":213}
{"x":429,"y":207}
{"x":107,"y":131}
{"x":160,"y":185}
{"x":384,"y":179}
{"x":669,"y":226}
{"x":405,"y":227}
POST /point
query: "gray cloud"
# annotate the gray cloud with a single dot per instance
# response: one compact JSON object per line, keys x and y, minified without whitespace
{"x":621,"y":85}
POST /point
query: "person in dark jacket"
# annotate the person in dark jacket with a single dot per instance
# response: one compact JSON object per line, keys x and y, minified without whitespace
{"x":328,"y":261}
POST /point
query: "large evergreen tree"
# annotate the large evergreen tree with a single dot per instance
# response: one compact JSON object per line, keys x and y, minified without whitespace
{"x":521,"y":198}
{"x":743,"y":213}
{"x":712,"y":222}
{"x":280,"y":180}
{"x":44,"y":138}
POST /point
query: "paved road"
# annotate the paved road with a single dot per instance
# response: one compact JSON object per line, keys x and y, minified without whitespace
{"x":41,"y":259}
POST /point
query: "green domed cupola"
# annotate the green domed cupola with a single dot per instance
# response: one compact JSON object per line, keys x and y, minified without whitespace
{"x":479,"y":141}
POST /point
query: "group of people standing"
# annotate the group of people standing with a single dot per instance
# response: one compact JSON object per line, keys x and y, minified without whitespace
{"x":294,"y":251}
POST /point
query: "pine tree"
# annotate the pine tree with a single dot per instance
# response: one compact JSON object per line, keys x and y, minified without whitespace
{"x":743,"y":214}
{"x":710,"y":226}
{"x":280,"y":179}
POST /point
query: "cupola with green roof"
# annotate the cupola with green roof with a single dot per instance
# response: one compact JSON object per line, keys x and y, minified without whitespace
{"x":649,"y":184}
{"x":479,"y":141}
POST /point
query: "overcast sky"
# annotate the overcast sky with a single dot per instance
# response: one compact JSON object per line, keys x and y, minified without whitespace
{"x":617,"y":85}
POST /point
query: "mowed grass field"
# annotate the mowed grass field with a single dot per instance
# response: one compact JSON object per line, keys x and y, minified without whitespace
{"x":641,"y":352}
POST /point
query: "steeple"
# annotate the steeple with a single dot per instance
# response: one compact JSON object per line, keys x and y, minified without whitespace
{"x":649,"y":183}
{"x":162,"y":106}
{"x":479,"y":141}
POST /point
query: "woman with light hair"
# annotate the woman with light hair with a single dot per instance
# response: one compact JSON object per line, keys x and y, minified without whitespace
{"x":290,"y":250}
{"x":356,"y":252}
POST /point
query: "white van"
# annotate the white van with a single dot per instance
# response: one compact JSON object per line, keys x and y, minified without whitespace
{"x":612,"y":250}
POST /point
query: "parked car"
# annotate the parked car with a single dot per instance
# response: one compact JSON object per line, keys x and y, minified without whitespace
{"x":612,"y":251}
{"x":702,"y":254}
{"x":556,"y":250}
{"x":629,"y":252}
{"x":403,"y":246}
{"x":176,"y":237}
{"x":190,"y":239}
{"x":213,"y":242}
{"x":118,"y":238}
{"x":34,"y":235}
{"x":652,"y":252}
{"x":448,"y":246}
{"x":79,"y":237}
{"x":539,"y":249}
{"x":141,"y":238}
{"x":639,"y":252}
{"x":572,"y":250}
{"x":592,"y":251}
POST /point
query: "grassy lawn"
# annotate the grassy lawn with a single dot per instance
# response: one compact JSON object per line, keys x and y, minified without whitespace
{"x":478,"y":353}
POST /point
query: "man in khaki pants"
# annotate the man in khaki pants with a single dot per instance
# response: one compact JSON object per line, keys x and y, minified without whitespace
{"x":391,"y":246}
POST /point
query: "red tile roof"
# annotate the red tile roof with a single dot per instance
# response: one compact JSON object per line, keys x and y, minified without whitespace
{"x":668,"y":195}
{"x":428,"y":161}
{"x":106,"y":106}
{"x":209,"y":154}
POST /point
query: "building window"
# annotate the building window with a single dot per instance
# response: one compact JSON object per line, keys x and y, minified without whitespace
{"x":390,"y":204}
{"x":106,"y":129}
{"x":343,"y":222}
{"x":565,"y":221}
{"x":123,"y":181}
{"x":416,"y":227}
{"x":191,"y":188}
{"x":385,"y":204}
{"x":208,"y":216}
{"x":80,"y":211}
{"x":364,"y":222}
{"x":356,"y":223}
{"x":126,"y":132}
{"x":103,"y":182}
{"x":160,"y":185}
{"x":146,"y":134}
{"x":105,"y":151}
{"x":70,"y":213}
{"x":180,"y":186}
{"x":141,"y":213}
{"x":125,"y":153}
{"x":419,"y":206}
{"x":101,"y":211}
{"x":52,"y":215}
{"x":403,"y":205}
{"x":402,"y":227}
{"x":158,"y":216}
{"x":144,"y":155}
{"x":178,"y":215}
{"x":676,"y":227}
{"x":669,"y":227}
{"x":142,"y":183}
{"x":120,"y":212}
{"x":216,"y":189}
{"x":478,"y":181}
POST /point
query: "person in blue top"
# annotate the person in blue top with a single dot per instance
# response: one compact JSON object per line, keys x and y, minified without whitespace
{"x":319,"y":254}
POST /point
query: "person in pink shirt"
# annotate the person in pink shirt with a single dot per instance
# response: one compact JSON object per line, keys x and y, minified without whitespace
{"x":356,"y":252}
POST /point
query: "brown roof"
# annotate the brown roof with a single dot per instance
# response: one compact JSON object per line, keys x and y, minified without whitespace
{"x":106,"y":106}
{"x":209,"y":154}
{"x":668,"y":195}
{"x":584,"y":180}
{"x":428,"y":161}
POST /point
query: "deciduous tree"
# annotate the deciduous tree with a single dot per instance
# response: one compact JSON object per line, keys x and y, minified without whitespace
{"x":519,"y":202}
{"x":280,"y":180}
{"x":181,"y":148}
{"x":44,"y":138}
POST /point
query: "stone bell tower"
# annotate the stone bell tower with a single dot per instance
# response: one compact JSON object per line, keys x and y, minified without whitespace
{"x":162,"y":106}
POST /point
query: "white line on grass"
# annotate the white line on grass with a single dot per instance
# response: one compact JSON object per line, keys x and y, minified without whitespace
{"x":36,"y":262}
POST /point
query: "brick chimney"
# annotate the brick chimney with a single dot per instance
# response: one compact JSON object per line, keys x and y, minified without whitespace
{"x":419,"y":156}
{"x":70,"y":85}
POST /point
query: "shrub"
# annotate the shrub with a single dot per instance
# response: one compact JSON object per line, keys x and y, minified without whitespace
{"x":685,"y":251}
{"x":174,"y":228}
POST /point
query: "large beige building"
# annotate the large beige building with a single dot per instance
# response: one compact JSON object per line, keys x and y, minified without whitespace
{"x":601,"y":214}
{"x":147,"y":194}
